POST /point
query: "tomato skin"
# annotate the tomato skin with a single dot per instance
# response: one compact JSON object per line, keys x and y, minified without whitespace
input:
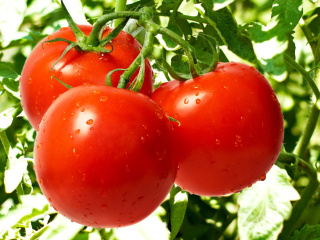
{"x":103,"y":156}
{"x":37,"y":87}
{"x":231,"y":128}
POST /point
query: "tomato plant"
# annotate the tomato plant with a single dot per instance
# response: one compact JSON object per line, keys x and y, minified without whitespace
{"x":103,"y":156}
{"x":37,"y":87}
{"x":230,"y":132}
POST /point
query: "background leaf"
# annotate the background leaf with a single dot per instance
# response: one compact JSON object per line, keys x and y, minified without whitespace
{"x":265,"y":205}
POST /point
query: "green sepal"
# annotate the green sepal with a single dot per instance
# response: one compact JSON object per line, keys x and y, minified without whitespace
{"x":114,"y":33}
{"x":137,"y":84}
{"x":60,"y":81}
{"x":108,"y":78}
{"x":71,"y":45}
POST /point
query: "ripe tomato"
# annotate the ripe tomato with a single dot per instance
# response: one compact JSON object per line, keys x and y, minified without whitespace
{"x":103,"y":156}
{"x":37,"y":87}
{"x":231,"y":128}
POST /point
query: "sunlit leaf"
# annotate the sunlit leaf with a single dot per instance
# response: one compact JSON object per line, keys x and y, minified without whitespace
{"x":178,"y":204}
{"x":265,"y":206}
{"x":307,"y":233}
{"x":11,"y":17}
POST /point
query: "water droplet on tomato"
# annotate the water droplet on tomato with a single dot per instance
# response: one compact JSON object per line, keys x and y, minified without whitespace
{"x":39,"y":145}
{"x":49,"y":199}
{"x":63,"y":28}
{"x":186,"y":101}
{"x":103,"y":98}
{"x":104,"y":193}
{"x":145,"y":127}
{"x":49,"y":37}
{"x":82,"y":109}
{"x":70,"y":136}
{"x":96,"y":92}
{"x":92,"y":128}
{"x":104,"y":207}
{"x":160,"y":115}
{"x":89,"y":122}
{"x":41,"y":181}
{"x":77,"y":131}
{"x":198,"y":101}
{"x":85,"y":216}
{"x":274,"y":98}
{"x":238,"y":139}
{"x":263,"y":177}
{"x":127,"y":169}
{"x":197,"y":94}
{"x":217,"y":142}
{"x":83,"y":178}
{"x":236,"y":144}
{"x":78,"y":105}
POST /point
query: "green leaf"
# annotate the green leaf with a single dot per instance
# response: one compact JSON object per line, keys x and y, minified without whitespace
{"x":180,"y":64}
{"x":313,"y":25}
{"x":168,"y":43}
{"x":32,"y":206}
{"x":32,"y":38}
{"x":178,"y":204}
{"x":8,"y":72}
{"x":274,"y":36}
{"x":15,"y":169}
{"x":307,"y":233}
{"x":224,"y":22}
{"x":265,"y":206}
{"x":60,"y":228}
{"x":6,"y":118}
{"x":11,"y":17}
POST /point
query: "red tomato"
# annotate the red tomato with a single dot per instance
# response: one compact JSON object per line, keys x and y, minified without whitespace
{"x":231,"y":128}
{"x":38,"y":89}
{"x":103,"y":156}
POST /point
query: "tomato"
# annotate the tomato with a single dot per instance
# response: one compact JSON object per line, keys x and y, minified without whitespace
{"x":103,"y":156}
{"x":230,"y":132}
{"x":37,"y":87}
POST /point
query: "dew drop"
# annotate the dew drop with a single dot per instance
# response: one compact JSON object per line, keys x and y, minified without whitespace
{"x":238,"y":139}
{"x":127,"y":169}
{"x":77,"y":131}
{"x":104,"y":207}
{"x":103,"y":98}
{"x":82,"y":109}
{"x":252,"y":68}
{"x":143,"y":139}
{"x":96,"y":92}
{"x":159,"y":115}
{"x":236,"y":144}
{"x":63,"y":28}
{"x":217,"y":142}
{"x":198,"y":101}
{"x":186,"y":101}
{"x":92,"y":128}
{"x":89,"y":122}
{"x":30,"y":81}
{"x":145,"y":127}
{"x":39,"y":145}
{"x":274,"y":98}
{"x":197,"y":94}
{"x":49,"y":199}
{"x":41,"y":181}
{"x":104,"y":193}
{"x":263,"y":177}
{"x":78,"y":105}
{"x":70,"y":136}
{"x":84,"y":176}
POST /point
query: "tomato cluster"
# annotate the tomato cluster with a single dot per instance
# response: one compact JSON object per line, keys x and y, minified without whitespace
{"x":108,"y":157}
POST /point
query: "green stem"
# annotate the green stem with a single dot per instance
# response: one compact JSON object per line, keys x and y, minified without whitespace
{"x":305,"y":74}
{"x":81,"y":37}
{"x":184,"y":17}
{"x":94,"y":37}
{"x":308,"y":131}
{"x":146,"y":50}
{"x":5,"y":142}
{"x":189,"y":50}
{"x":120,"y":7}
{"x":300,"y":206}
{"x":174,"y":11}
